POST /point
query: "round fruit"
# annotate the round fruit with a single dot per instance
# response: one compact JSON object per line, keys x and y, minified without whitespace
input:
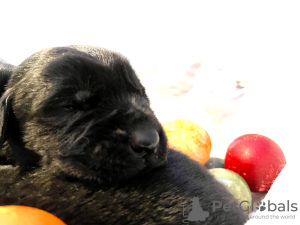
{"x":257,"y":158}
{"x":189,"y":138}
{"x":214,"y":162}
{"x":236,"y":185}
{"x":23,"y":215}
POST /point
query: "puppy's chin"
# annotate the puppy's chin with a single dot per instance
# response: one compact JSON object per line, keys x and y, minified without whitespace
{"x":110,"y":171}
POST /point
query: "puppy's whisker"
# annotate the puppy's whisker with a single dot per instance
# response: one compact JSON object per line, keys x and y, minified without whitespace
{"x":77,"y":122}
{"x":85,"y":132}
{"x":114,"y":112}
{"x":82,"y":138}
{"x":120,"y":132}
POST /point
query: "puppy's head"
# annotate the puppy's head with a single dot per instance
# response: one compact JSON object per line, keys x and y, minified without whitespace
{"x":85,"y":109}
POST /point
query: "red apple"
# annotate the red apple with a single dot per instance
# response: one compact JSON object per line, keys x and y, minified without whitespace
{"x":257,"y":159}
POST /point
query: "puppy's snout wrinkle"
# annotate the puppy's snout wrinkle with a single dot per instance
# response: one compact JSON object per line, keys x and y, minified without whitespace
{"x":145,"y":141}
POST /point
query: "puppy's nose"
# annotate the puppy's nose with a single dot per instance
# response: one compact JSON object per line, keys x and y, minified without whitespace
{"x":145,"y":141}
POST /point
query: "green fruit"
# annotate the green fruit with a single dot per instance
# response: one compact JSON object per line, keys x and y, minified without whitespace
{"x":236,"y":185}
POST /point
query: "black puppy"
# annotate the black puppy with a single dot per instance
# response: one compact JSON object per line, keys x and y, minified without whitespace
{"x":80,"y":140}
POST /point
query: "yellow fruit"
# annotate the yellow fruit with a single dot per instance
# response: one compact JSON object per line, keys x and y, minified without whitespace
{"x":189,"y":138}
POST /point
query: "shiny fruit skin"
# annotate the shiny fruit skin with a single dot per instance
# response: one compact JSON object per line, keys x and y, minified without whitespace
{"x":236,"y":185}
{"x":189,"y":138}
{"x":257,"y":158}
{"x":24,"y":215}
{"x":214,"y":162}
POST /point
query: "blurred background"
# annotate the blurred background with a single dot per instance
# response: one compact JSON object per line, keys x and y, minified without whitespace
{"x":231,"y":66}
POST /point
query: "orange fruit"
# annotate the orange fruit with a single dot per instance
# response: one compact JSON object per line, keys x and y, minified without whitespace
{"x":189,"y":138}
{"x":24,"y":215}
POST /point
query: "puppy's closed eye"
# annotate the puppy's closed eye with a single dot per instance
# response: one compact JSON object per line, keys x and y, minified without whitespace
{"x":83,"y":96}
{"x":83,"y":101}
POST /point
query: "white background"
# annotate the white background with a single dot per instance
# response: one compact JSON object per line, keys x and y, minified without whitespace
{"x":256,"y":40}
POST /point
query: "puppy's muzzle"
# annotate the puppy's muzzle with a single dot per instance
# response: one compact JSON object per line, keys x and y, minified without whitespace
{"x":144,"y":142}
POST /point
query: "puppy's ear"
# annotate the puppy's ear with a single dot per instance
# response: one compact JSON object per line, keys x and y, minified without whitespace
{"x":10,"y":131}
{"x":5,"y":101}
{"x":5,"y":110}
{"x":5,"y":73}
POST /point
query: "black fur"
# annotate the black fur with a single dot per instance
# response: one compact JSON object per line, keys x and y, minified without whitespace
{"x":68,"y":119}
{"x":5,"y":72}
